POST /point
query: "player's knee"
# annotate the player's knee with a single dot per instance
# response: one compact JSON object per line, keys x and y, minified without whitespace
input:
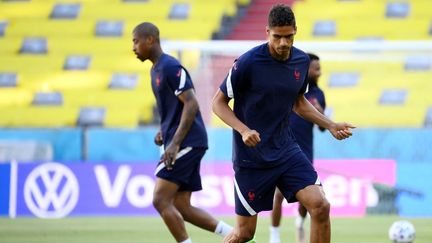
{"x":245,"y":238}
{"x":246,"y":235}
{"x":185,"y":212}
{"x":321,"y":210}
{"x":159,"y":203}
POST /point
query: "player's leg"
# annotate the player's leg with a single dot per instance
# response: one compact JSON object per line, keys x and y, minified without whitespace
{"x":300,"y":182}
{"x":299,"y":224}
{"x":163,"y":201}
{"x":302,"y":211}
{"x":276,"y":216}
{"x":199,"y":217}
{"x":188,"y":169}
{"x":314,"y":200}
{"x":182,"y":177}
{"x":254,"y":192}
{"x":243,"y":231}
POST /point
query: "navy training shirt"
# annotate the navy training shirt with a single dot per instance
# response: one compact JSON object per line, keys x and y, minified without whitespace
{"x":169,"y":79}
{"x":264,"y":92}
{"x":303,"y":129}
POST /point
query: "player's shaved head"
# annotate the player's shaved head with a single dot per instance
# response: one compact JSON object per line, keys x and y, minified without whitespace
{"x":313,"y":57}
{"x":147,"y":29}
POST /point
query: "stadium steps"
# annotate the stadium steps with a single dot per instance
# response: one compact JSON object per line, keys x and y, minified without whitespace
{"x":252,"y":25}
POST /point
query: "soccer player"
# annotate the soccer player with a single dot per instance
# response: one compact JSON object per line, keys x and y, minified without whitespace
{"x":303,"y":132}
{"x":267,"y":83}
{"x":183,"y":135}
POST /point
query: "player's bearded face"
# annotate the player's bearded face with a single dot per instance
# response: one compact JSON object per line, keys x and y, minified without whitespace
{"x":281,"y":39}
{"x":314,"y":71}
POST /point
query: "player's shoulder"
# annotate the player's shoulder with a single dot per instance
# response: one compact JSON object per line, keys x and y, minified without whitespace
{"x":249,"y":56}
{"x":299,"y":55}
{"x":168,"y":62}
{"x":321,"y":92}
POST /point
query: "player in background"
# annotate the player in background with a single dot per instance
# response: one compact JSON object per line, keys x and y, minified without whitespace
{"x":303,"y":132}
{"x":183,"y":135}
{"x":267,"y":84}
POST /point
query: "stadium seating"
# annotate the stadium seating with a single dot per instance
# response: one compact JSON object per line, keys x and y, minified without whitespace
{"x":365,"y":18}
{"x":362,"y":89}
{"x":79,"y":35}
{"x":76,"y":36}
{"x":360,"y":104}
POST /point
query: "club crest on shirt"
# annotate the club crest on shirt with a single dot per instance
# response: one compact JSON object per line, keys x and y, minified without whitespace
{"x":297,"y":74}
{"x":157,"y":81}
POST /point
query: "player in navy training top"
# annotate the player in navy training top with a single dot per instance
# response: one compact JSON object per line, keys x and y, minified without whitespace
{"x":267,"y":83}
{"x":303,"y":132}
{"x":183,"y":135}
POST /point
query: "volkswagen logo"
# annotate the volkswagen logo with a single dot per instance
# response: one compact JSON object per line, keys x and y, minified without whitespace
{"x":51,"y":191}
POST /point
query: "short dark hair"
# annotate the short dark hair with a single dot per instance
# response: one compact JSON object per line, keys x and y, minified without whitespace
{"x":313,"y":57}
{"x":281,"y":15}
{"x":147,"y":29}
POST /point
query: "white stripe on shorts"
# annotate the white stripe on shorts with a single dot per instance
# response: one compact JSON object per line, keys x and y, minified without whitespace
{"x":243,"y":200}
{"x":180,"y":154}
{"x":318,"y":181}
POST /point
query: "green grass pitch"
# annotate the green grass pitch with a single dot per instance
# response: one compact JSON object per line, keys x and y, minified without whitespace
{"x":370,"y":229}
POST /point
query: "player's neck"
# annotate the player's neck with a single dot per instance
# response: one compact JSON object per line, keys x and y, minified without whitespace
{"x":281,"y":58}
{"x":278,"y":57}
{"x":156,"y":54}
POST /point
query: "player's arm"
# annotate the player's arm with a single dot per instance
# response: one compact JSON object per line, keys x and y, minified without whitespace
{"x":225,"y":113}
{"x":314,"y":101}
{"x":190,"y":108}
{"x":306,"y":110}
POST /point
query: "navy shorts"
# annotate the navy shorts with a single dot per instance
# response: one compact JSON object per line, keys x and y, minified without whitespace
{"x":186,"y":170}
{"x":255,"y":187}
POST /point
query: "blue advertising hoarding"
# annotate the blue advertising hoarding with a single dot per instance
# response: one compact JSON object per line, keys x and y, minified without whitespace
{"x":55,"y":190}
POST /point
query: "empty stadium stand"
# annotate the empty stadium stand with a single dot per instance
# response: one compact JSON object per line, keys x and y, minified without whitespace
{"x":81,"y":52}
{"x":58,"y":58}
{"x":385,"y":89}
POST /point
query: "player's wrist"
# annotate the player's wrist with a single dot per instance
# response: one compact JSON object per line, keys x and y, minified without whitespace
{"x":332,"y":126}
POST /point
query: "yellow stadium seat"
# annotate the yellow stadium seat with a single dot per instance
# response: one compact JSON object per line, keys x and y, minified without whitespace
{"x":38,"y":116}
{"x":15,"y":97}
{"x":122,"y":117}
{"x":25,"y":9}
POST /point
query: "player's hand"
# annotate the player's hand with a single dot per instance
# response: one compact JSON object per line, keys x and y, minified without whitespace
{"x":251,"y":137}
{"x":158,"y":138}
{"x":169,"y":157}
{"x":341,"y":130}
